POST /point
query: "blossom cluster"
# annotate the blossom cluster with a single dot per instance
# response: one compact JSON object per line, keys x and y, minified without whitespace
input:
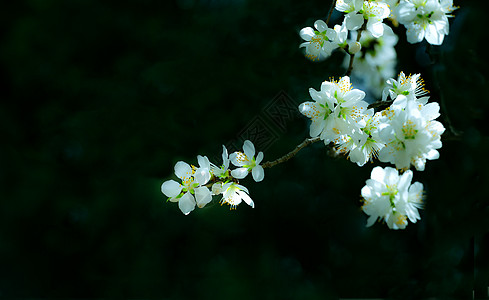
{"x":399,"y":128}
{"x":404,"y":134}
{"x":199,"y":184}
{"x":363,"y":30}
{"x":392,"y":198}
{"x":423,"y":19}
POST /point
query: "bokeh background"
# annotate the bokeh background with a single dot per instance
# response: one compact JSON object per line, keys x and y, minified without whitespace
{"x":100,"y":99}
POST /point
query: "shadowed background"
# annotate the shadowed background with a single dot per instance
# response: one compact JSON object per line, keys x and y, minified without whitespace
{"x":101,"y":99}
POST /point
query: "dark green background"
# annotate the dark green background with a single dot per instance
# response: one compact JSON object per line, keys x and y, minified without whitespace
{"x":100,"y":99}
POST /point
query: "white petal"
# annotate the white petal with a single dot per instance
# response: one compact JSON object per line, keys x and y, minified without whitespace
{"x":171,"y":188}
{"x":371,"y":220}
{"x":233,"y":157}
{"x":203,"y":161}
{"x":433,"y":36}
{"x":202,"y":196}
{"x":432,"y":154}
{"x":316,"y":128}
{"x":378,"y":174}
{"x":354,"y":95}
{"x":217,"y":188}
{"x":431,"y":111}
{"x":375,"y":28}
{"x":225,"y":157}
{"x":414,"y":33}
{"x":353,"y":21}
{"x":307,"y":33}
{"x":183,"y":170}
{"x":320,"y":25}
{"x":405,"y":181}
{"x":366,"y":192}
{"x":246,"y":198}
{"x":249,"y":149}
{"x":391,"y":176}
{"x":239,"y":173}
{"x":186,"y":203}
{"x":259,"y":158}
{"x":202,"y":175}
{"x":258,"y":173}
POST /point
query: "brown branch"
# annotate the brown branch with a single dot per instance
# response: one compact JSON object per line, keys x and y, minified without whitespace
{"x":333,"y":5}
{"x":292,"y":153}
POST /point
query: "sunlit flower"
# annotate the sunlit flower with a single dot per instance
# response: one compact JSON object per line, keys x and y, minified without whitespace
{"x":221,"y":172}
{"x":405,"y":88}
{"x":411,"y":136}
{"x":425,"y":19}
{"x":247,"y":163}
{"x":358,"y":11}
{"x":233,"y":194}
{"x":391,"y":198}
{"x":191,"y":191}
{"x":319,"y":43}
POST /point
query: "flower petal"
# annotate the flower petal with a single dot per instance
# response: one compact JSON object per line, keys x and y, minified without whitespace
{"x":320,"y":25}
{"x":258,"y":173}
{"x":171,"y":188}
{"x":259,"y":158}
{"x":307,"y":33}
{"x":202,"y":175}
{"x":246,"y":199}
{"x":186,"y":203}
{"x":249,"y":149}
{"x":202,"y":196}
{"x":378,"y":174}
{"x":183,"y":170}
{"x":239,"y":173}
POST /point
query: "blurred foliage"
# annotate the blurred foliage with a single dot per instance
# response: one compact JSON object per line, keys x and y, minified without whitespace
{"x":100,"y":99}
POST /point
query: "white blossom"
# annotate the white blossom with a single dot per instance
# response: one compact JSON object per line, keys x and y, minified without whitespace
{"x":338,"y":110}
{"x":233,"y":194}
{"x":358,"y":11}
{"x":320,"y":42}
{"x":391,"y":198}
{"x":405,"y":88}
{"x":425,"y":19}
{"x":247,"y":163}
{"x":191,"y":191}
{"x":221,"y":172}
{"x":411,"y":135}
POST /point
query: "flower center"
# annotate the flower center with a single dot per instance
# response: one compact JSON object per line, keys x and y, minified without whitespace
{"x":409,"y":131}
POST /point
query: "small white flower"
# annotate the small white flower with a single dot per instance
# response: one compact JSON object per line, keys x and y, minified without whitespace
{"x":338,"y":110}
{"x":247,"y":163}
{"x":411,"y":135}
{"x":358,"y":11}
{"x":425,"y":19}
{"x":319,"y":43}
{"x":390,"y":197}
{"x":191,"y":191}
{"x":221,"y":172}
{"x":233,"y":194}
{"x":375,"y":13}
{"x":368,"y":146}
{"x":405,"y":88}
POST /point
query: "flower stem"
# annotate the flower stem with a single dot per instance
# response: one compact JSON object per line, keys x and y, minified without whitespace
{"x":333,"y":5}
{"x":292,"y":153}
{"x":352,"y":56}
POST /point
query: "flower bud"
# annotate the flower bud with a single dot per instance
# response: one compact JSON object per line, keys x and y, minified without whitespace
{"x":354,"y":47}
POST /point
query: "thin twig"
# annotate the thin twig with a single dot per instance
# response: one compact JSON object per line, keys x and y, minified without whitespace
{"x":292,"y":153}
{"x":352,"y":56}
{"x":333,"y":5}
